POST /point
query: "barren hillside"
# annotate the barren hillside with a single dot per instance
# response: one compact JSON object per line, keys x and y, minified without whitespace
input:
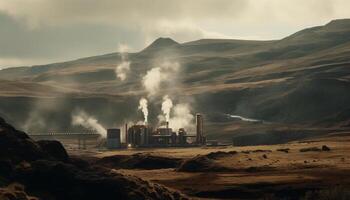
{"x":296,"y":83}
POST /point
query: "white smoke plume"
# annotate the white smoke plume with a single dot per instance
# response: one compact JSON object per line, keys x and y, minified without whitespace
{"x":155,"y":76}
{"x":144,"y":108}
{"x":182,"y":117}
{"x":122,"y":70}
{"x":151,"y":81}
{"x":89,"y":122}
{"x":166,"y":107}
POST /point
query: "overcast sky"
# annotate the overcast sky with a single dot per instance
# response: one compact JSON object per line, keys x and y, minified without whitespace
{"x":44,"y":31}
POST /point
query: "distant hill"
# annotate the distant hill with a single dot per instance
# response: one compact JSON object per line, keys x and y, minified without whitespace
{"x":160,"y":44}
{"x":298,"y":81}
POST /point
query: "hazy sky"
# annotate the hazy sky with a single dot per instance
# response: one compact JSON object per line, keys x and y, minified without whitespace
{"x":44,"y":31}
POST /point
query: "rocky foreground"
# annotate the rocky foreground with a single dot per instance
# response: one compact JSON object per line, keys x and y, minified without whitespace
{"x":44,"y":170}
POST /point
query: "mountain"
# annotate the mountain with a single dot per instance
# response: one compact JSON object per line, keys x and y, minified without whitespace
{"x":161,"y":43}
{"x":297,"y":83}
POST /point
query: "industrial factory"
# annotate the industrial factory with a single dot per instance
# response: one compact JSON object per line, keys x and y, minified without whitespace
{"x":146,"y":136}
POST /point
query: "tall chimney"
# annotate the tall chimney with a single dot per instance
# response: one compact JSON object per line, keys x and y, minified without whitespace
{"x":199,"y":128}
{"x":167,"y":127}
{"x":126,"y":133}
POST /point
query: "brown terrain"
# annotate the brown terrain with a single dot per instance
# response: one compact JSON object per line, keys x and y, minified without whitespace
{"x":306,"y":169}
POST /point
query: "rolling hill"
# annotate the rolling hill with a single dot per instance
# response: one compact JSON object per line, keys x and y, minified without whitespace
{"x":300,"y":83}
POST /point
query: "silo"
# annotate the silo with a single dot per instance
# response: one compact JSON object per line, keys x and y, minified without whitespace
{"x":113,"y":138}
{"x":199,"y":128}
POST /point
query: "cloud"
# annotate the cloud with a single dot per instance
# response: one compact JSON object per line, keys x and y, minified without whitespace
{"x":64,"y":29}
{"x":179,"y":30}
{"x":45,"y":12}
{"x":9,"y":62}
{"x":48,"y":12}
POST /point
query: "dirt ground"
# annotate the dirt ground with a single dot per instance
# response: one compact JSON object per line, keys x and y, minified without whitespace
{"x":258,"y":172}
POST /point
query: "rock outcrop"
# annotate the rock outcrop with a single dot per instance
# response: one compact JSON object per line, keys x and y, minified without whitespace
{"x":47,"y":172}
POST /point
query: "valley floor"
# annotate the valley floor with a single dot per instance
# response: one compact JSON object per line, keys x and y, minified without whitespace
{"x":291,"y":171}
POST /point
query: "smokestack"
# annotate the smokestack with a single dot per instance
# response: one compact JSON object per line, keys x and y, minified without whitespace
{"x":199,"y":128}
{"x":167,"y":127}
{"x":126,"y":133}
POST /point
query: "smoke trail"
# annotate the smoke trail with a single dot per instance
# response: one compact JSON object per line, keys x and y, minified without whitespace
{"x":166,"y":107}
{"x":166,"y":72}
{"x":123,"y":68}
{"x":144,"y":109}
{"x":89,"y":122}
{"x":151,"y":81}
{"x":182,"y":117}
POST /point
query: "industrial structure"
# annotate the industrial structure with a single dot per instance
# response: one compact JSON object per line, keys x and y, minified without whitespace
{"x":147,"y":136}
{"x":113,"y":138}
{"x":199,"y":129}
{"x":135,"y":136}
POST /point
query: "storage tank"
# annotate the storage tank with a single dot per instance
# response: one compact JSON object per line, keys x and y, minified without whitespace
{"x":113,"y":138}
{"x":199,"y":128}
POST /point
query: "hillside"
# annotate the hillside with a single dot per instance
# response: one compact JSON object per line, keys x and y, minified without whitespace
{"x":298,"y":83}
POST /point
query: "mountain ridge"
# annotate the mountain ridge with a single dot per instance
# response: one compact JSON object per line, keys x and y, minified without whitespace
{"x":269,"y":80}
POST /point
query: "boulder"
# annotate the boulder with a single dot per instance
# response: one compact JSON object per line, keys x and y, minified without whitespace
{"x":16,"y":146}
{"x":325,"y":148}
{"x":201,"y":163}
{"x":54,"y":148}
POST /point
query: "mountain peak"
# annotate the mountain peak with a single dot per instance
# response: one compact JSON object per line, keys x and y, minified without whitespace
{"x":161,"y":43}
{"x":339,"y":23}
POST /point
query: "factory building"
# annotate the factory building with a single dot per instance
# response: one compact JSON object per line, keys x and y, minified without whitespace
{"x":138,"y":135}
{"x":146,"y":136}
{"x":113,"y":138}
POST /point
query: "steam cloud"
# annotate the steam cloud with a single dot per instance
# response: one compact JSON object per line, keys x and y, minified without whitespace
{"x":143,"y":107}
{"x":89,"y":122}
{"x":122,"y":70}
{"x":151,"y":81}
{"x":182,"y":117}
{"x":155,"y":76}
{"x":166,"y":107}
{"x":179,"y":115}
